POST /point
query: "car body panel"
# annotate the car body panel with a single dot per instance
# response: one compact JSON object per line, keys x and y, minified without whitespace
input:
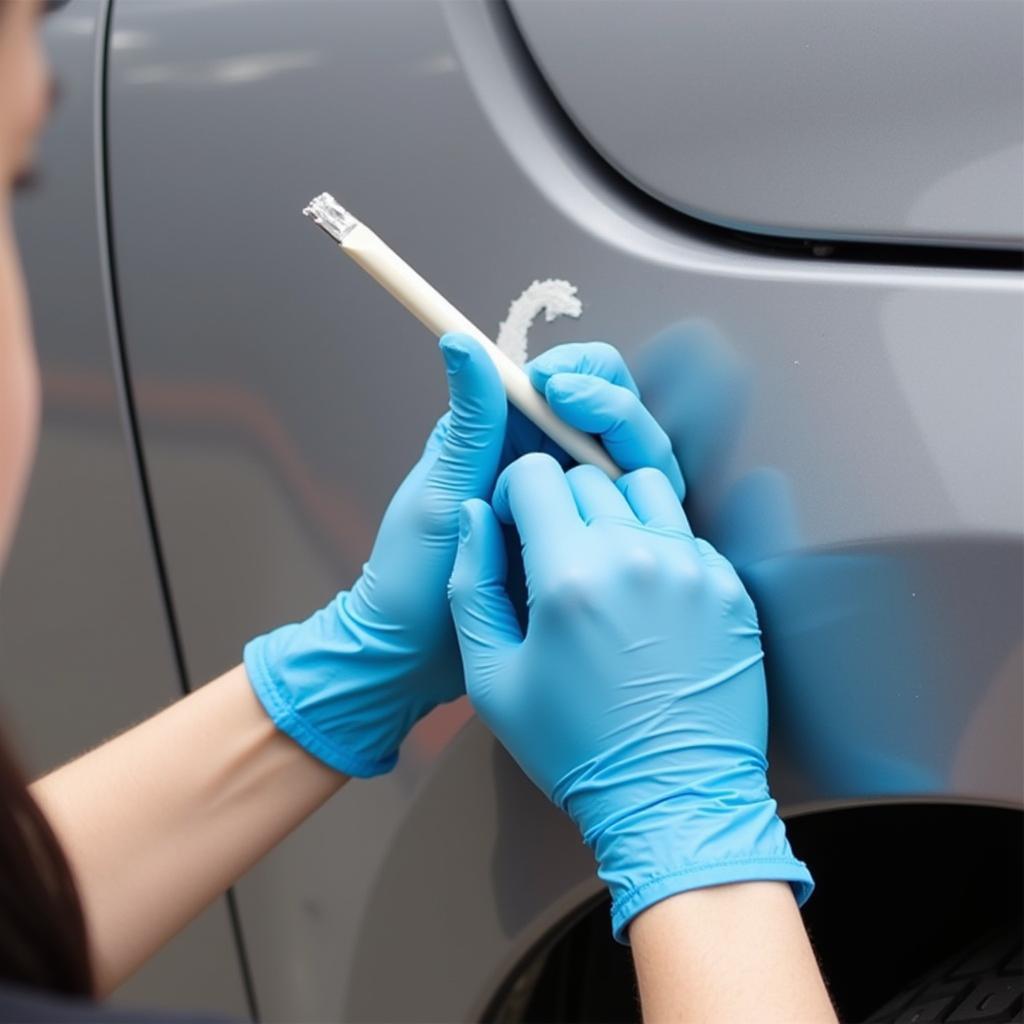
{"x":860,"y":119}
{"x":84,"y":644}
{"x":850,"y":435}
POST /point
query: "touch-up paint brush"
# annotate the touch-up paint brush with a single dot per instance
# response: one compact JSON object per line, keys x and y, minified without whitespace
{"x":438,"y":315}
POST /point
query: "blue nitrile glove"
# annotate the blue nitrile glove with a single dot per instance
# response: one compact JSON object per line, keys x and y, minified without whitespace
{"x":636,"y":700}
{"x":350,"y":682}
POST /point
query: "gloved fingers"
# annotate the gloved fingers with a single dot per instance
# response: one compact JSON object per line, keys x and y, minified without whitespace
{"x":532,"y":493}
{"x":653,"y":500}
{"x":711,"y":556}
{"x":724,"y":578}
{"x":437,"y":435}
{"x":631,"y":435}
{"x":471,"y":435}
{"x":593,"y":358}
{"x":485,"y":621}
{"x":522,"y":436}
{"x":596,"y":496}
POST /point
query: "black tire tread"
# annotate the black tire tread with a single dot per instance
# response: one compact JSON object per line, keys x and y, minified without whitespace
{"x":983,"y":984}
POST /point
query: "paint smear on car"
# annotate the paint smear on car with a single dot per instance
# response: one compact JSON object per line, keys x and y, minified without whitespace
{"x":553,"y":296}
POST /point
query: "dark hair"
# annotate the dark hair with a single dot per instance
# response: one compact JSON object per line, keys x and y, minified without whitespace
{"x":43,"y":938}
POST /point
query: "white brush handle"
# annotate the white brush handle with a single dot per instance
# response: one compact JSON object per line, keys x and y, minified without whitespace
{"x":438,"y":315}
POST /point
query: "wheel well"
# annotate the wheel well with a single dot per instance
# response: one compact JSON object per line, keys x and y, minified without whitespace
{"x":899,"y":888}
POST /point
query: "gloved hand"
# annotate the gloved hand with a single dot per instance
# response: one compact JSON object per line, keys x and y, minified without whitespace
{"x":349,"y":682}
{"x":636,"y":700}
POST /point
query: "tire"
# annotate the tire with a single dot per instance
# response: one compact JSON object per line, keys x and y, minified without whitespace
{"x":982,"y":983}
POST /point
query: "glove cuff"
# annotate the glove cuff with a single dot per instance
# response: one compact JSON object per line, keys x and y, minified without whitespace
{"x":281,"y":704}
{"x":344,"y":692}
{"x":682,"y":844}
{"x":701,"y":876}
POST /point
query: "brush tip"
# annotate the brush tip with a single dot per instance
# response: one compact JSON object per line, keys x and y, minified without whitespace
{"x":327,"y":213}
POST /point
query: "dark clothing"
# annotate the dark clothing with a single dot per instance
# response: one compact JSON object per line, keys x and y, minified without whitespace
{"x":32,"y":1006}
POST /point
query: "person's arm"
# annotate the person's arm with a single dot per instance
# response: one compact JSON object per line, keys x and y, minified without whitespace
{"x":635,"y":699}
{"x":728,"y":954}
{"x":162,"y":819}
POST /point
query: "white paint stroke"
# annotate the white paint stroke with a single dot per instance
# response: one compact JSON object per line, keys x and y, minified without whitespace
{"x":553,"y":296}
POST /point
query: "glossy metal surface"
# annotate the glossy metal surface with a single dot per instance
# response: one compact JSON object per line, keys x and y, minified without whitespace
{"x":859,"y":119}
{"x":851,"y":435}
{"x":84,"y":647}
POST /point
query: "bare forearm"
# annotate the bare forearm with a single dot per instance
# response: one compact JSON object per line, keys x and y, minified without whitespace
{"x":161,"y":820}
{"x":731,"y":953}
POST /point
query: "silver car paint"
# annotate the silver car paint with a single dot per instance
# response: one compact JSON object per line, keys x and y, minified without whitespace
{"x":840,"y":118}
{"x":851,"y":436}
